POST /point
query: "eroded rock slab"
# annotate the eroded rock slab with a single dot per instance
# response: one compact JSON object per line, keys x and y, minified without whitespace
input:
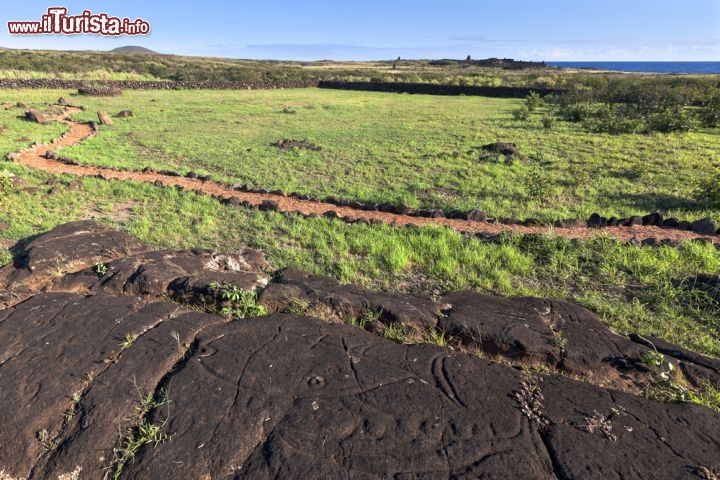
{"x":67,"y":248}
{"x":290,"y":396}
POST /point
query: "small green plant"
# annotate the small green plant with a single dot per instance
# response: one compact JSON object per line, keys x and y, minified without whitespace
{"x":142,"y":432}
{"x":394,"y":332}
{"x":538,"y":186}
{"x":548,"y":121}
{"x":708,"y":189}
{"x":439,"y":338}
{"x":128,"y":340}
{"x":46,"y":440}
{"x":533,"y":101}
{"x":243,"y":303}
{"x":6,"y":184}
{"x":522,"y":113}
{"x":667,"y":383}
{"x":652,"y":358}
{"x":100,"y":269}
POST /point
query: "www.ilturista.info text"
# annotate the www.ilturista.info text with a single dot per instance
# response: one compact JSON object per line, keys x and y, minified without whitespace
{"x":57,"y":21}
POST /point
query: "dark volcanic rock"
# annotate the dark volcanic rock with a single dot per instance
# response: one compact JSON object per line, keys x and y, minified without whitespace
{"x":33,"y":115}
{"x":104,"y":118}
{"x":292,"y":397}
{"x":476,"y":215}
{"x":288,"y":396}
{"x":654,"y":218}
{"x":704,"y":225}
{"x":596,"y":221}
{"x":69,"y":247}
{"x":412,"y":312}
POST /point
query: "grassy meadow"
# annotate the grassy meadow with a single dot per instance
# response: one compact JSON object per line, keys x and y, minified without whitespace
{"x":419,"y":150}
{"x":389,"y":147}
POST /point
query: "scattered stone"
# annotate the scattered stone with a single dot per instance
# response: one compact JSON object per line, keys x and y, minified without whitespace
{"x":684,"y":225}
{"x":670,"y":223}
{"x":104,"y":118}
{"x":596,"y":221}
{"x":650,"y":242}
{"x":287,"y":144}
{"x":613,"y":222}
{"x":634,"y":220}
{"x":34,"y":115}
{"x":476,"y":215}
{"x":704,"y":226}
{"x":654,"y":218}
{"x":269,"y":206}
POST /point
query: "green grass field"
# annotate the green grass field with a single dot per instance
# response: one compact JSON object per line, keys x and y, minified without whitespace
{"x":379,"y":147}
{"x":416,"y":149}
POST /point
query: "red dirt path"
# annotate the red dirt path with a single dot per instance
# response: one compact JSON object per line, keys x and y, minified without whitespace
{"x":32,"y":157}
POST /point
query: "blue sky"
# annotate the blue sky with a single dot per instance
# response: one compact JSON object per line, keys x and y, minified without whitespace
{"x":550,"y":30}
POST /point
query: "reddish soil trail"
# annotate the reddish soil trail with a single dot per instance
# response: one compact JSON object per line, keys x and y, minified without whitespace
{"x":32,"y":157}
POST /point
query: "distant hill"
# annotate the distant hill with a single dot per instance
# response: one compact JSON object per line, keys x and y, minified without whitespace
{"x":132,"y":49}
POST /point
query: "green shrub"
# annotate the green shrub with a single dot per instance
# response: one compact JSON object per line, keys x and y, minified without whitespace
{"x":6,"y":184}
{"x":533,"y":101}
{"x":709,"y":189}
{"x":522,"y":113}
{"x":710,"y":113}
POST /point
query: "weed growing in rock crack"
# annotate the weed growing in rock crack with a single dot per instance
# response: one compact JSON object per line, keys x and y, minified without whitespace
{"x":366,"y":318}
{"x":667,"y":383}
{"x":297,"y":307}
{"x":142,"y":432}
{"x":601,"y":423}
{"x":394,"y":332}
{"x":243,"y":303}
{"x":530,"y":399}
{"x":46,"y":439}
{"x":176,"y":336}
{"x":709,"y":473}
{"x":128,"y":340}
{"x":439,"y":338}
{"x":100,"y":269}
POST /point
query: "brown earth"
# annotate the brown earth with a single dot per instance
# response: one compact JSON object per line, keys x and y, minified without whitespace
{"x":33,"y":157}
{"x":289,"y":396}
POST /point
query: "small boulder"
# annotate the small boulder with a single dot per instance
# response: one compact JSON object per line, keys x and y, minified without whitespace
{"x":704,"y":225}
{"x":269,"y":205}
{"x":596,"y":221}
{"x":35,"y":116}
{"x":476,"y":215}
{"x":632,"y":221}
{"x":104,"y":118}
{"x":654,"y":218}
{"x":670,"y":223}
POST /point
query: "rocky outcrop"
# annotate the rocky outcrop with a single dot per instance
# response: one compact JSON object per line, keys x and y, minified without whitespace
{"x":100,"y":373}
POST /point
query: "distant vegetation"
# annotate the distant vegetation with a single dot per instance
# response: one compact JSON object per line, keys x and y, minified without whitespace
{"x":132,"y":49}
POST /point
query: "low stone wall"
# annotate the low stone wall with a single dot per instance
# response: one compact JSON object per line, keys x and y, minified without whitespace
{"x":418,"y":88}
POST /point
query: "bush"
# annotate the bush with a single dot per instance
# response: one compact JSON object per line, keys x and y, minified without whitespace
{"x":522,"y":113}
{"x":710,"y":113}
{"x":6,"y":184}
{"x":533,"y":101}
{"x":709,"y":189}
{"x":670,"y":120}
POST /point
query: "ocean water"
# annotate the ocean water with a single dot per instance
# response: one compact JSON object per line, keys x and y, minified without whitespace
{"x":648,"y":67}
